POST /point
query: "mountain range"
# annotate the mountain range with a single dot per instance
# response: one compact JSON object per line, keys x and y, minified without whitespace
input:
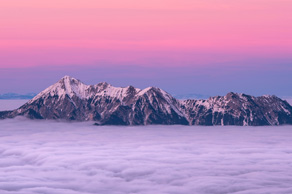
{"x":70,"y":99}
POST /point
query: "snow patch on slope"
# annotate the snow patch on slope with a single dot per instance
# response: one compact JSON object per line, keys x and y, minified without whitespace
{"x":117,"y":92}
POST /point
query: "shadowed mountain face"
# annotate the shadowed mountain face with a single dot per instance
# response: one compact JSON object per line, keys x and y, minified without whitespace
{"x":238,"y":109}
{"x":70,"y":99}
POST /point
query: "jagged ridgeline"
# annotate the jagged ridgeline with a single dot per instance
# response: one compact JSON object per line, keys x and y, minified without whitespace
{"x":70,"y":99}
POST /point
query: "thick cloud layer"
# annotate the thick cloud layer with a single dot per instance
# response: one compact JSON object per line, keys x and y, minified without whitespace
{"x":56,"y":157}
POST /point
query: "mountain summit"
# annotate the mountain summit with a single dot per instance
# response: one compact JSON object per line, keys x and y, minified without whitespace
{"x":70,"y":99}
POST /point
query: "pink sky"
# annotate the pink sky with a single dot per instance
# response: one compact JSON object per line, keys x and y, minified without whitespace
{"x":168,"y":32}
{"x":183,"y":46}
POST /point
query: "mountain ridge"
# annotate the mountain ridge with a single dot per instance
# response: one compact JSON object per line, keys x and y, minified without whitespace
{"x":71,"y":99}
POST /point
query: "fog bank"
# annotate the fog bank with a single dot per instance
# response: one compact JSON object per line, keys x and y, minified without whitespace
{"x":56,"y":157}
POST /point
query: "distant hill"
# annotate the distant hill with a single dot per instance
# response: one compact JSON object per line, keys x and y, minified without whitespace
{"x":12,"y":96}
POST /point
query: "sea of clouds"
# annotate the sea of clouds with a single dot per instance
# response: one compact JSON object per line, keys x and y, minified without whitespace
{"x":79,"y":158}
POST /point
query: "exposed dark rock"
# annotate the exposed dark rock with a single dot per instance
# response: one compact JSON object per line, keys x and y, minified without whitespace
{"x":5,"y":114}
{"x":238,"y":109}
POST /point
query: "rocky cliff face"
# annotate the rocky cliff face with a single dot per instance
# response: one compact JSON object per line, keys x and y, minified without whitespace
{"x":70,"y":99}
{"x":238,"y":109}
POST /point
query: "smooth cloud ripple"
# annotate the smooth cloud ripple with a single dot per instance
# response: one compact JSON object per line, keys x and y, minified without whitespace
{"x":57,"y":157}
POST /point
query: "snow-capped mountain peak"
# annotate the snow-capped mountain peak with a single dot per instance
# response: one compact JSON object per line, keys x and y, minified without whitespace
{"x":70,"y":99}
{"x":65,"y":86}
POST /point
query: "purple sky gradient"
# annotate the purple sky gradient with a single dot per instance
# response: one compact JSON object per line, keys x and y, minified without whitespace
{"x":253,"y":76}
{"x":207,"y":47}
